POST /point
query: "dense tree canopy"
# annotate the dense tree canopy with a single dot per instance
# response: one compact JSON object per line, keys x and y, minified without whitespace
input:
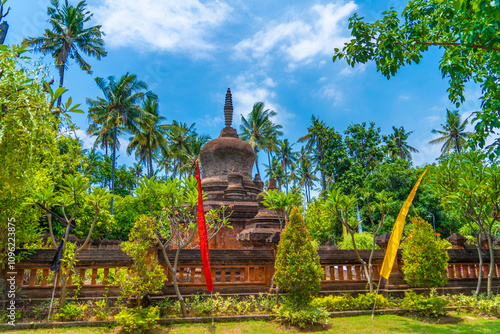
{"x":467,"y":31}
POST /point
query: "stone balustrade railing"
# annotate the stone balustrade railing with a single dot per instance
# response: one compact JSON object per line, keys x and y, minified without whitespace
{"x":233,"y":272}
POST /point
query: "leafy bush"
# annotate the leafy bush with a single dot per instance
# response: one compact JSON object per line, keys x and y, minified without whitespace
{"x":363,"y":240}
{"x":347,"y":302}
{"x":302,"y":315}
{"x":298,"y":269}
{"x":431,"y":306}
{"x":200,"y":305}
{"x":72,"y":312}
{"x":146,"y":275}
{"x":425,"y":259}
{"x":138,"y":320}
{"x":477,"y":304}
{"x":333,"y":303}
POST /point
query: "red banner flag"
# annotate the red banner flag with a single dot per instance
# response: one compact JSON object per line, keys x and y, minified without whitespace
{"x":202,"y":229}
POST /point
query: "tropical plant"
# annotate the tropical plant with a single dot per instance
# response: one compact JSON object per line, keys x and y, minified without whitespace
{"x":120,"y":108}
{"x":146,"y":276}
{"x":68,"y":37}
{"x":73,"y":194}
{"x":147,"y":139}
{"x":425,"y":259}
{"x":259,"y":131}
{"x":464,"y":30}
{"x":471,"y":186}
{"x":173,"y":206}
{"x":306,"y":177}
{"x":315,"y":139}
{"x":453,"y":135}
{"x":298,"y":269}
{"x":287,"y":156}
{"x":397,"y":145}
{"x":282,"y":203}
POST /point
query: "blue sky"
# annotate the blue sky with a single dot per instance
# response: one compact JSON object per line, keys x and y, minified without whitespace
{"x":279,"y":52}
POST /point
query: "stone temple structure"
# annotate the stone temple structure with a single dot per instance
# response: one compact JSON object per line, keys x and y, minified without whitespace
{"x":226,"y":164}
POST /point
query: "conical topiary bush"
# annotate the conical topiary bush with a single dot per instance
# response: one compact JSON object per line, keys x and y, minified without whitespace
{"x":298,"y":270}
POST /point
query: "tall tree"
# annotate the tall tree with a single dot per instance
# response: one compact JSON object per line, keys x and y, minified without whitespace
{"x":397,"y":145}
{"x":120,"y":108}
{"x":179,"y":138}
{"x":466,"y":31}
{"x":307,"y":177}
{"x":68,"y":37}
{"x":259,"y":131}
{"x":147,"y":139}
{"x":287,"y":157}
{"x":453,"y":134}
{"x":314,"y":139}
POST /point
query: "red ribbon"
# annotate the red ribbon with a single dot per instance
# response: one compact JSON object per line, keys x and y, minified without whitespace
{"x":202,"y":229}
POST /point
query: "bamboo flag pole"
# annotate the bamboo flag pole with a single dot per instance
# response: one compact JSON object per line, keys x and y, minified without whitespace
{"x":376,"y":295}
{"x":212,"y":301}
{"x":52,"y":299}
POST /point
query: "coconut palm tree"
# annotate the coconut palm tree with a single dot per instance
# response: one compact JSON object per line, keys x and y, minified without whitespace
{"x":397,"y":145}
{"x":147,"y":139}
{"x":454,"y":137}
{"x":120,"y":108}
{"x":314,"y":144}
{"x":286,"y":155}
{"x":178,"y":139}
{"x":307,"y":177}
{"x":68,"y":38}
{"x":259,"y":131}
{"x":192,"y":154}
{"x":103,"y":132}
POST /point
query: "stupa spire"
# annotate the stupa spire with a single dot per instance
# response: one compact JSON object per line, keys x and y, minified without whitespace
{"x":228,"y":109}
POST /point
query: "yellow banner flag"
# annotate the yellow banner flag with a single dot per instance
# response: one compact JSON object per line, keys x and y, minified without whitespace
{"x":397,"y":231}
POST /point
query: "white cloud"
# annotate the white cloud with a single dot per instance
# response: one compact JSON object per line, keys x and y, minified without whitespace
{"x":249,"y":89}
{"x":167,"y":25}
{"x":301,"y":36}
{"x":331,"y":92}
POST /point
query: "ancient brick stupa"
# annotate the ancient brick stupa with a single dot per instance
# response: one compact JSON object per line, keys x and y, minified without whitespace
{"x":227,"y":179}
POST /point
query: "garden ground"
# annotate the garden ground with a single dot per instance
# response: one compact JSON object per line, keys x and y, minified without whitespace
{"x":454,"y":323}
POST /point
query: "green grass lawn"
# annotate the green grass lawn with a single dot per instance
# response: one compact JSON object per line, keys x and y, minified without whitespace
{"x":362,"y":324}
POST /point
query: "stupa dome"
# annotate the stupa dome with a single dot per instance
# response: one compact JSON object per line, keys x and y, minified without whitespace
{"x":221,"y":156}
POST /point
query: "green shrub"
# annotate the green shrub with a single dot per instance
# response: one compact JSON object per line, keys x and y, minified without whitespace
{"x":477,"y":304}
{"x":72,"y":312}
{"x":425,"y":259}
{"x":138,"y":320}
{"x":302,"y":315}
{"x":298,"y":269}
{"x":333,"y":303}
{"x":348,"y":303}
{"x":146,"y":276}
{"x":431,"y":306}
{"x":363,"y":240}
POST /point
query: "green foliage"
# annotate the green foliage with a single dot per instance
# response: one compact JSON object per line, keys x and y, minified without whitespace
{"x":348,"y":303}
{"x":363,"y":240}
{"x":73,"y":312}
{"x":476,"y":304}
{"x":301,"y":316}
{"x":320,"y":224}
{"x":138,"y":320}
{"x":101,"y":309}
{"x":427,"y":306}
{"x":465,"y":30}
{"x":200,"y":305}
{"x":298,"y":269}
{"x":425,"y":259}
{"x":281,"y":202}
{"x":32,"y":152}
{"x":146,"y":275}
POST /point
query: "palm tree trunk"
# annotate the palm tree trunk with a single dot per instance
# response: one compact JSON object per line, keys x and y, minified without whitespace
{"x":150,"y":165}
{"x":113,"y":170}
{"x":257,"y":163}
{"x":61,"y":81}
